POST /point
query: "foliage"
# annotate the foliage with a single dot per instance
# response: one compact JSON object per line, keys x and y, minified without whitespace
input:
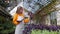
{"x":6,"y":25}
{"x":42,"y":28}
{"x":3,"y":3}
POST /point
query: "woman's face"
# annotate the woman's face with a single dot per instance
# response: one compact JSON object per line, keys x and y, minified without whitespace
{"x":20,"y":10}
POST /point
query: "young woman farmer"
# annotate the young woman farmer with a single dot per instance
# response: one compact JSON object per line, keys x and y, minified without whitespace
{"x":19,"y":20}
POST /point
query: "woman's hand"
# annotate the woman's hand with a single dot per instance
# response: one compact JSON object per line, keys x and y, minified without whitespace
{"x":19,"y":21}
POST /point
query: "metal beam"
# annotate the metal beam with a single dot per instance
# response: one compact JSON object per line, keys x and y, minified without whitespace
{"x":3,"y":12}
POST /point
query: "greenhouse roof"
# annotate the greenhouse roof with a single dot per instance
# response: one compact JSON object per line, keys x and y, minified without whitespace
{"x":31,"y":5}
{"x":34,"y":5}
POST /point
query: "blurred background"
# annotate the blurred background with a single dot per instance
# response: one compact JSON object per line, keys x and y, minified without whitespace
{"x":46,"y":12}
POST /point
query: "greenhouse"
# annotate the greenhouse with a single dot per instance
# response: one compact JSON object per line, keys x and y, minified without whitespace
{"x":44,"y":16}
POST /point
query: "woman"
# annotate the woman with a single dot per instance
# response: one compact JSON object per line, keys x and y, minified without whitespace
{"x":19,"y":20}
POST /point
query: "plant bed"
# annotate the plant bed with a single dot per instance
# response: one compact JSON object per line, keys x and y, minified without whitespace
{"x":32,"y":28}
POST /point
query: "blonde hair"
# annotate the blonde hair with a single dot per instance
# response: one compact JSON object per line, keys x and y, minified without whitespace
{"x":19,"y":8}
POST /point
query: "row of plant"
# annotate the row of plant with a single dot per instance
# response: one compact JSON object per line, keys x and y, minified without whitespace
{"x":37,"y":31}
{"x":31,"y":27}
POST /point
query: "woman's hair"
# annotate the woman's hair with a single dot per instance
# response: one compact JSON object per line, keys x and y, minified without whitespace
{"x":18,"y":9}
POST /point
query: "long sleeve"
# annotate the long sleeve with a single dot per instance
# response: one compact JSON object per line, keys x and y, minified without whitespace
{"x":15,"y":19}
{"x":26,"y":20}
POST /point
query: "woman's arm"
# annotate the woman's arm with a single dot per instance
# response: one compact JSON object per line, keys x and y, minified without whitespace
{"x":15,"y":19}
{"x":26,"y":20}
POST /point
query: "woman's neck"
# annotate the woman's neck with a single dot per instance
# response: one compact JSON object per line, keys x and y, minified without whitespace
{"x":19,"y":13}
